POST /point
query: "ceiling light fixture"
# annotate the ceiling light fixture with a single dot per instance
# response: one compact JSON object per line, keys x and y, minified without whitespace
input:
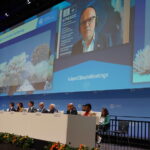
{"x":28,"y":2}
{"x":6,"y":14}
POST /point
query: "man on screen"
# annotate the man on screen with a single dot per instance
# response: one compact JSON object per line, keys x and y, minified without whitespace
{"x":87,"y":27}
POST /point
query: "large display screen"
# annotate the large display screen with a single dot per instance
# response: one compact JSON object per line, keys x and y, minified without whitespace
{"x":76,"y":46}
{"x":141,"y":62}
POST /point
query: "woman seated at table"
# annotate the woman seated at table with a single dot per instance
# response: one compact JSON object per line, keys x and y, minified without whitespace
{"x":20,"y":107}
{"x":104,"y":122}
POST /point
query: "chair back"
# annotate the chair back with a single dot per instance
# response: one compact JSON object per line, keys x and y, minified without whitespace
{"x":123,"y":125}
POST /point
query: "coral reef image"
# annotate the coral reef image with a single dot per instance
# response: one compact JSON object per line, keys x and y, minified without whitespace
{"x":27,"y":73}
{"x":141,"y":62}
{"x":141,"y":65}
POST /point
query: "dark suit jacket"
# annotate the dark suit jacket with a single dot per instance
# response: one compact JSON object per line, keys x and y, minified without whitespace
{"x":44,"y":110}
{"x":32,"y":110}
{"x":72,"y":112}
{"x":12,"y":109}
{"x":100,"y":43}
{"x":53,"y":111}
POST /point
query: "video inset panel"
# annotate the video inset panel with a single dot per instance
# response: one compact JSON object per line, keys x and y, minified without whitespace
{"x":88,"y":26}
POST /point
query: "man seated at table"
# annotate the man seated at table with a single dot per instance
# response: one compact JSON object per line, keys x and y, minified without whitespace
{"x":71,"y":109}
{"x":31,"y":108}
{"x":88,"y":110}
{"x":42,"y":108}
{"x":52,"y":109}
{"x":12,"y":107}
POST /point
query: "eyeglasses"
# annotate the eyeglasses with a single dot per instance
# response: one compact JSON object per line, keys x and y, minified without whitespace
{"x":89,"y":21}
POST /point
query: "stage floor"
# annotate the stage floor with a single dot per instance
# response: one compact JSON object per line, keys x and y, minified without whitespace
{"x":105,"y":146}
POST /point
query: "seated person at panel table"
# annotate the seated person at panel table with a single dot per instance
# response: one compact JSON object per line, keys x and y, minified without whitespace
{"x":104,"y":122}
{"x":12,"y":106}
{"x":42,"y":108}
{"x":52,"y":109}
{"x":71,"y":109}
{"x":20,"y":107}
{"x":31,"y":108}
{"x":88,"y":110}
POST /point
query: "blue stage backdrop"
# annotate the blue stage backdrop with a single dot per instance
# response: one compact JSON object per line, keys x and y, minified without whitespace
{"x":120,"y":103}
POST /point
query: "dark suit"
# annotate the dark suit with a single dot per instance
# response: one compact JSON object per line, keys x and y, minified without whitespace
{"x":12,"y":109}
{"x":72,"y":112}
{"x":32,"y":110}
{"x":99,"y":43}
{"x":53,"y":111}
{"x":44,"y":110}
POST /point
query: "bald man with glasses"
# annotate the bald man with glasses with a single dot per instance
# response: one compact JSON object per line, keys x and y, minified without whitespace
{"x":89,"y":41}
